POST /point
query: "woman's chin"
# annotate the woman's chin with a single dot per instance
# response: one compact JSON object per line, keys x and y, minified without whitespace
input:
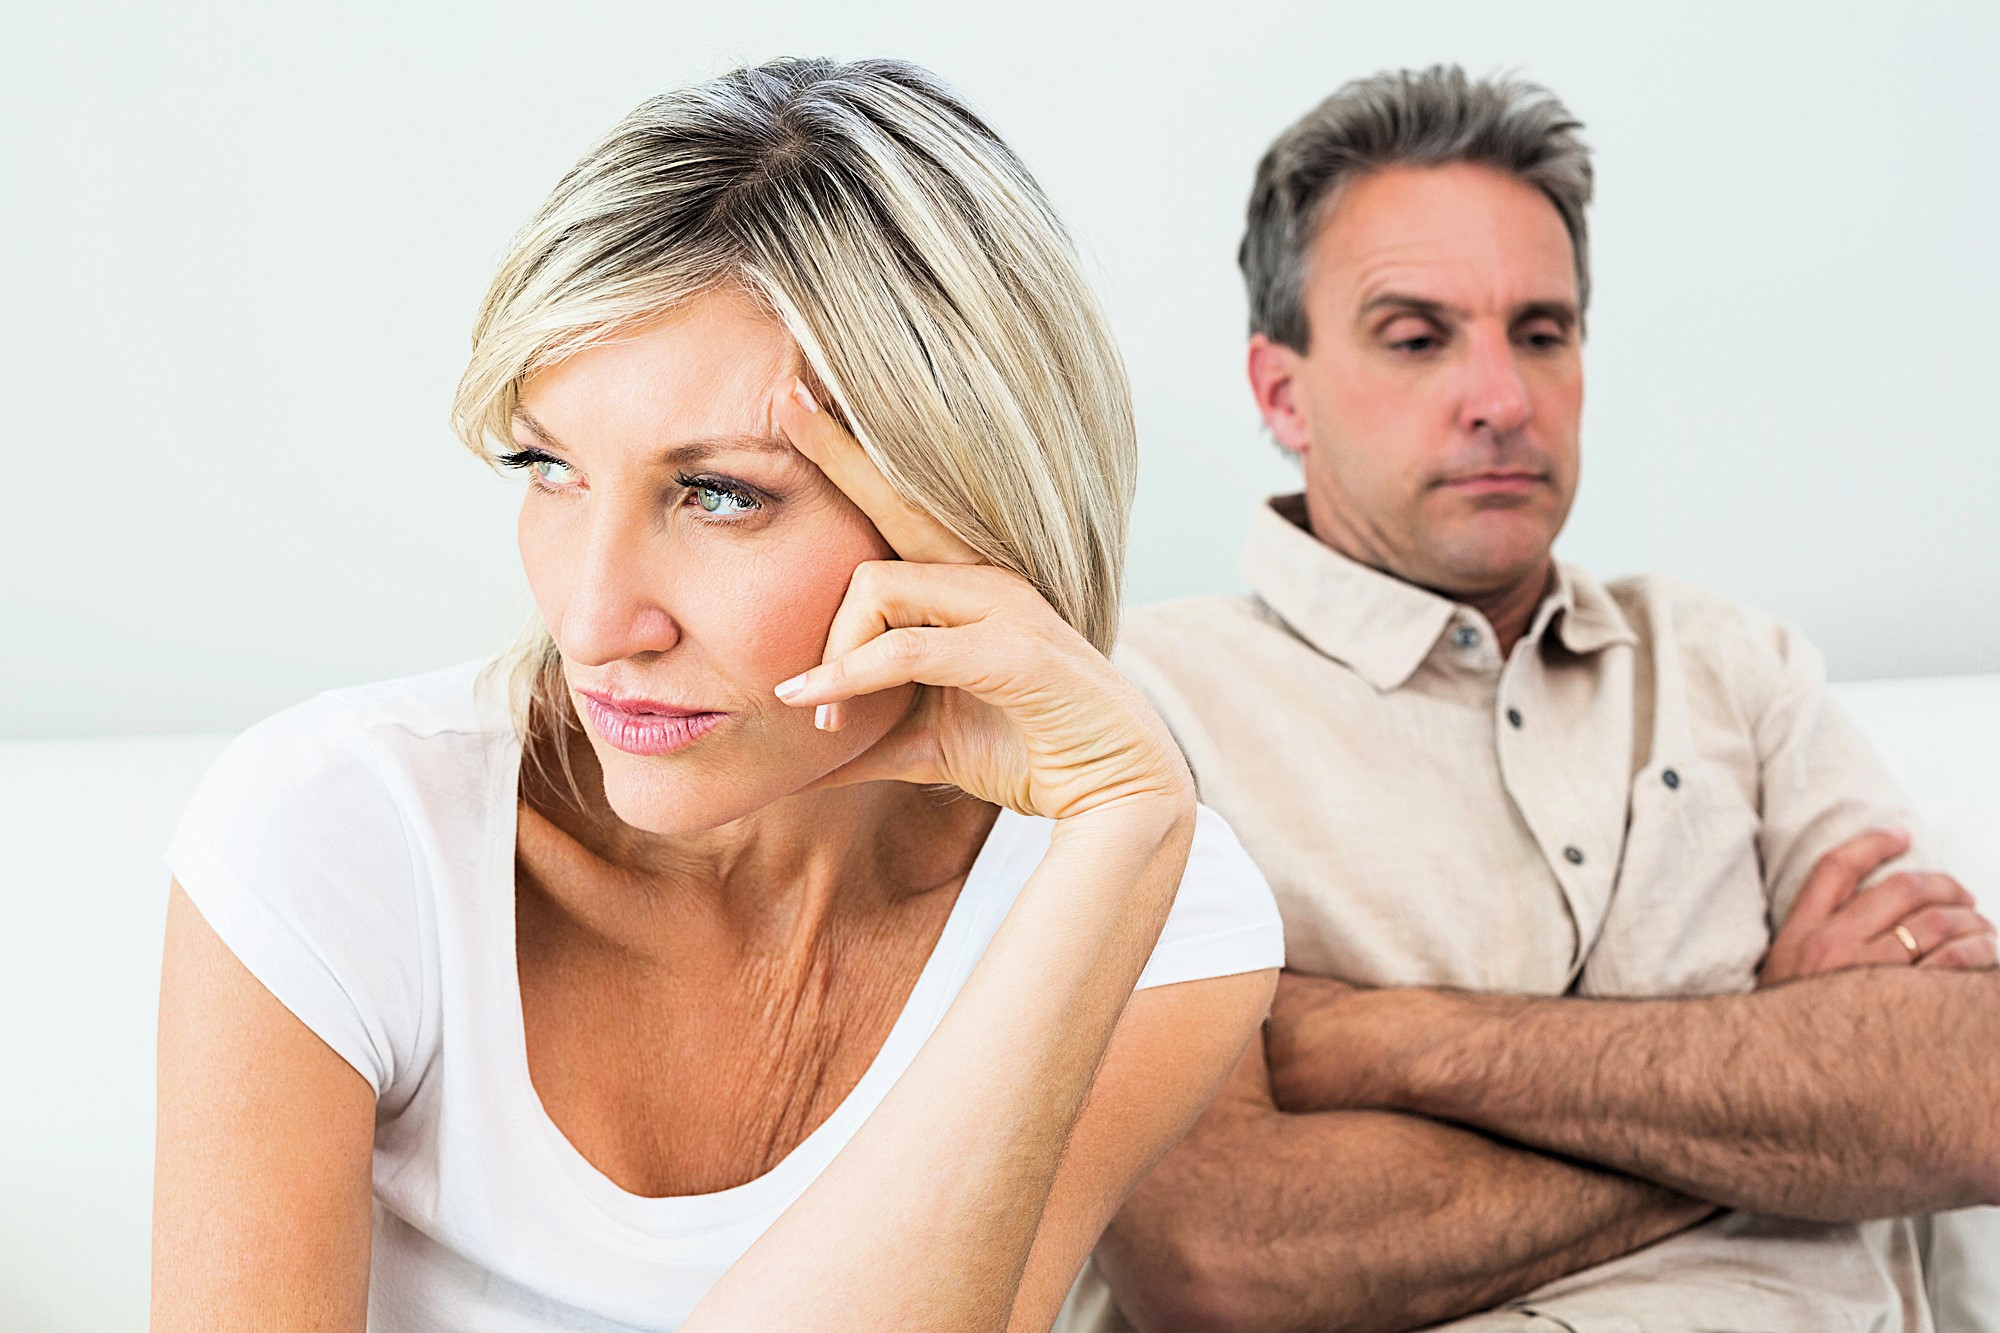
{"x":677,"y":805}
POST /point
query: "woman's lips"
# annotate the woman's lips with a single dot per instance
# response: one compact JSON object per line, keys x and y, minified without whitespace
{"x":641,"y":726}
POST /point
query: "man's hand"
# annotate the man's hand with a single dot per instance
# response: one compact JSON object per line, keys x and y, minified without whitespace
{"x":1920,"y":918}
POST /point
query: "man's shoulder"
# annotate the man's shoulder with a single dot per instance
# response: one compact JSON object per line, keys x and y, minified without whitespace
{"x":1179,"y":615}
{"x":1201,"y":660}
{"x":1173,"y":626}
{"x":1197,"y":634}
{"x":1711,"y":633}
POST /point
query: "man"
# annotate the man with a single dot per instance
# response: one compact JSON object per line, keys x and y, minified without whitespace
{"x":1615,"y":1000}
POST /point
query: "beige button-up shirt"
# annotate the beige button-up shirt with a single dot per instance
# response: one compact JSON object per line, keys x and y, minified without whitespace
{"x":1626,"y":805}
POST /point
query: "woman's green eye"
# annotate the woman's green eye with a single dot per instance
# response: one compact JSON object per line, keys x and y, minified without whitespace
{"x":550,"y":471}
{"x":714,"y":500}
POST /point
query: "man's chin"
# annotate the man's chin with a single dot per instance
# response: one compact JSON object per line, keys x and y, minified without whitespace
{"x":1492,"y":553}
{"x":1476,"y":577}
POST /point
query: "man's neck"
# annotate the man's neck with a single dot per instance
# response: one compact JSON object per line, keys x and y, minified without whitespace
{"x":1512,"y":610}
{"x":1509,"y":610}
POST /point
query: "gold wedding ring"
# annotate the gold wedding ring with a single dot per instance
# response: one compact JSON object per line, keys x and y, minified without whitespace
{"x":1909,"y":942}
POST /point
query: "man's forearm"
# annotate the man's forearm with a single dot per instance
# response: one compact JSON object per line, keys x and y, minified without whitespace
{"x":1260,"y":1220}
{"x":1863,"y":1093}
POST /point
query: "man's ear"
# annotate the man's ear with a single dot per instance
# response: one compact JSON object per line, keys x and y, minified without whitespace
{"x":1274,"y":374}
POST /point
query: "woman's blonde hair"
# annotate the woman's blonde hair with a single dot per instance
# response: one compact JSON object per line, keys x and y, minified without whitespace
{"x":933,"y":295}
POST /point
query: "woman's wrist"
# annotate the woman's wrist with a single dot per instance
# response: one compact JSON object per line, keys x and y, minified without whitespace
{"x":1157,"y":811}
{"x":1140,"y":843}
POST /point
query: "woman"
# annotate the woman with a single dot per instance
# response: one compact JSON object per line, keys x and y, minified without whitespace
{"x":691,"y":990}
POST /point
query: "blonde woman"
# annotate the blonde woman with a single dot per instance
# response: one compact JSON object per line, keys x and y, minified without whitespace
{"x":757,"y":948}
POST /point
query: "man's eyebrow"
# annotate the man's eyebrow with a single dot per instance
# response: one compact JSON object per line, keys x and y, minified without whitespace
{"x":1415,"y":305}
{"x":683,"y":454}
{"x":1562,"y":312}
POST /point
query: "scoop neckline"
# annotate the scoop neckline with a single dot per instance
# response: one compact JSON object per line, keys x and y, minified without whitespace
{"x":719,"y":1213}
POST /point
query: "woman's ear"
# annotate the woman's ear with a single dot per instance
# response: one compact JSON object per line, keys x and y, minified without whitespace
{"x":1274,"y":372}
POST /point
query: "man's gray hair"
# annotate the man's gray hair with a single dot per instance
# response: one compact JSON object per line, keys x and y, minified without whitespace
{"x":1428,"y":118}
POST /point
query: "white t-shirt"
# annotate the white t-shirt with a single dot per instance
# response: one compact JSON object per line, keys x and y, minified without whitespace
{"x":357,"y":854}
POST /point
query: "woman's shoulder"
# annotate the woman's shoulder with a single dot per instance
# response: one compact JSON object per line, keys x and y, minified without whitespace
{"x":312,"y":844}
{"x":389,"y":733}
{"x":448,"y":700}
{"x":1224,"y":919}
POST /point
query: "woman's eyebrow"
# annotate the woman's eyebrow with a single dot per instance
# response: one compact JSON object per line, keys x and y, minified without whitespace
{"x":689,"y":452}
{"x":684,"y":454}
{"x":526,"y":420}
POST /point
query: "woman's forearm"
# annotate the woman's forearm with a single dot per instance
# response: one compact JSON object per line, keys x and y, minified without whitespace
{"x":926,"y":1218}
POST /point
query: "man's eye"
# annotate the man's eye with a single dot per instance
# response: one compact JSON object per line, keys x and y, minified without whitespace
{"x":1408,"y":334}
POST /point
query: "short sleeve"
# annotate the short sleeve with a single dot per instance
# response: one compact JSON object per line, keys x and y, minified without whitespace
{"x":295,"y":853}
{"x":1224,"y":920}
{"x":1820,"y":780}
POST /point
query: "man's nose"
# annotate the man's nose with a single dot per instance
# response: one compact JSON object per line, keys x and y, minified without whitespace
{"x":1495,"y":396}
{"x":617,"y":606}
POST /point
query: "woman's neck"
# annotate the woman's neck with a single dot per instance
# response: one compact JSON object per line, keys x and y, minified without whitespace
{"x":789,"y":869}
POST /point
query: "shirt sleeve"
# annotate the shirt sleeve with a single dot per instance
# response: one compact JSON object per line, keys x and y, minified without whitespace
{"x":1224,"y":920}
{"x":1820,"y":782}
{"x":295,"y":853}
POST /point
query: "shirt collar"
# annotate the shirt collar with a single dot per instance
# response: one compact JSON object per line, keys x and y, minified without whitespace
{"x":1587,"y":617}
{"x":1378,"y":625}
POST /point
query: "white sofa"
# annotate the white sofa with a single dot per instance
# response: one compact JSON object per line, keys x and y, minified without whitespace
{"x":82,"y":899}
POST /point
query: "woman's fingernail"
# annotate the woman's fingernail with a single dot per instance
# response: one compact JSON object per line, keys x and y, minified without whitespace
{"x":804,"y":396}
{"x":789,"y":690}
{"x":823,"y":717}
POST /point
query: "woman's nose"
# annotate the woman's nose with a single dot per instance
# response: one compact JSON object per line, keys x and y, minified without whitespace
{"x":617,"y":606}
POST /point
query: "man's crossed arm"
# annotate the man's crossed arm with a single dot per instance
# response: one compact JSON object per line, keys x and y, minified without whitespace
{"x":1359,"y":1220}
{"x":1414,"y":1154}
{"x":1864,"y":1093}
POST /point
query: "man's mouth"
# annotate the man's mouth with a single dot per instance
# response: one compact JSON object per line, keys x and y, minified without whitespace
{"x":1497,"y":481}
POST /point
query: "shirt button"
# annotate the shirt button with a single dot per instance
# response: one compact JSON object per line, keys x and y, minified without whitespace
{"x":1514,"y":718}
{"x":1465,"y":636}
{"x":1573,"y":856}
{"x":1671,"y":778}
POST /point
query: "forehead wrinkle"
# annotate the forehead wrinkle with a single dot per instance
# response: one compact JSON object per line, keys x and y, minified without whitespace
{"x":1392,"y":279}
{"x":1399,"y":281}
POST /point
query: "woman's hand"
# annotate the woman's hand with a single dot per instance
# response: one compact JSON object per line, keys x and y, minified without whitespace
{"x":1023,"y":711}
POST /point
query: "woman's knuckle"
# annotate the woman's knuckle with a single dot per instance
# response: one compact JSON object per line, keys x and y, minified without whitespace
{"x":902,"y":647}
{"x":868,"y":578}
